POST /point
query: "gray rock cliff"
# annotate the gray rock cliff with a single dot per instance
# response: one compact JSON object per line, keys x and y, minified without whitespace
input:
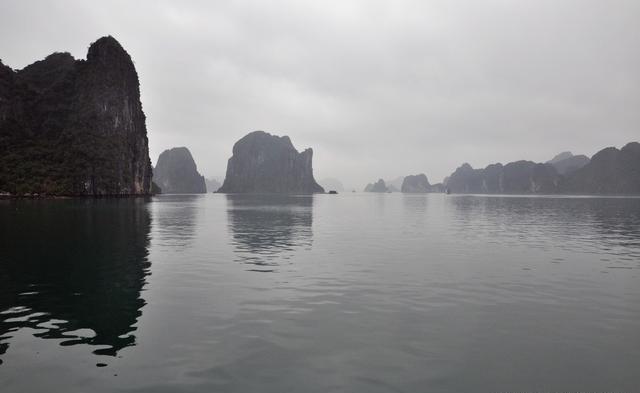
{"x":74,"y":127}
{"x":176,"y":173}
{"x":610,"y":171}
{"x":265,"y":163}
{"x":419,"y":184}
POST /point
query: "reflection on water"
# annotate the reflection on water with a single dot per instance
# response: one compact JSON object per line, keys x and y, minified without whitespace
{"x":176,"y":222}
{"x":368,"y":293}
{"x":267,"y":229}
{"x":73,"y":270}
{"x":594,"y":225}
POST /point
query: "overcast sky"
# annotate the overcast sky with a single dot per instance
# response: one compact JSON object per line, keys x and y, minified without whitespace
{"x":376,"y":88}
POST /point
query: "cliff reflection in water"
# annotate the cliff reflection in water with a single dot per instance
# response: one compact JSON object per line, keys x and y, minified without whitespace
{"x":73,"y":270}
{"x":598,"y":225}
{"x":267,"y":229}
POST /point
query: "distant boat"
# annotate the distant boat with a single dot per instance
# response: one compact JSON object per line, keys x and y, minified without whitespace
{"x":333,"y":192}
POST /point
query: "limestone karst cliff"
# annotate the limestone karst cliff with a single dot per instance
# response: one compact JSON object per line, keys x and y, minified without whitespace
{"x":265,"y":163}
{"x":74,"y":127}
{"x":176,"y":173}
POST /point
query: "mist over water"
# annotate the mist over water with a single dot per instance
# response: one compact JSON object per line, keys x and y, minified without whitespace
{"x":355,"y":292}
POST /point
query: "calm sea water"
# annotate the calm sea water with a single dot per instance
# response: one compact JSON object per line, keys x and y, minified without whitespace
{"x":344,"y":293}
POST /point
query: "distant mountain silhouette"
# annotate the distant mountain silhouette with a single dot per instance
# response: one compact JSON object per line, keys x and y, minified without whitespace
{"x":566,"y":163}
{"x":379,"y":186}
{"x":610,"y":171}
{"x":560,"y":157}
{"x":265,"y":163}
{"x":571,"y":164}
{"x":520,"y":177}
{"x":74,"y":127}
{"x":212,"y":184}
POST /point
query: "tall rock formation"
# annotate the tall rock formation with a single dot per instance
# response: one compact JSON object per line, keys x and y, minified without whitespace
{"x":265,"y":163}
{"x":74,"y":127}
{"x":417,"y":184}
{"x":176,"y":173}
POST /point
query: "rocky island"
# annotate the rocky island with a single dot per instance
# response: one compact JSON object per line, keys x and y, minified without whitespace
{"x":419,"y":184}
{"x":265,"y":163}
{"x":176,"y":173}
{"x":74,"y":127}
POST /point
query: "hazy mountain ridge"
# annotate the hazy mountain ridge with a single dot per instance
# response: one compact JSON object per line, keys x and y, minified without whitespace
{"x":74,"y":127}
{"x":566,"y":163}
{"x":610,"y":171}
{"x":176,"y":173}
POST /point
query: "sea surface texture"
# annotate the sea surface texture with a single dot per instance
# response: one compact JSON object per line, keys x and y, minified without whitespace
{"x":326,"y":293}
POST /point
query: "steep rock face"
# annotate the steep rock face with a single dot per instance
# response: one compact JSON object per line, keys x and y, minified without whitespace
{"x":176,"y":173}
{"x":520,"y":177}
{"x":610,"y":171}
{"x":265,"y":163}
{"x":74,"y":127}
{"x":466,"y":180}
{"x":379,"y":186}
{"x":420,"y":184}
{"x":416,"y":184}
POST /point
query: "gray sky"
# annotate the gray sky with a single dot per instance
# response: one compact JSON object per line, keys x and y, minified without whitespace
{"x":376,"y":88}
